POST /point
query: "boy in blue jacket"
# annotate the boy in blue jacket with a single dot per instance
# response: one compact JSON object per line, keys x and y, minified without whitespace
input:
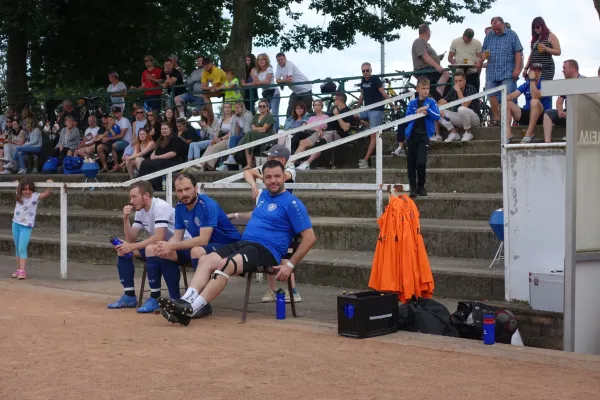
{"x":418,"y":133}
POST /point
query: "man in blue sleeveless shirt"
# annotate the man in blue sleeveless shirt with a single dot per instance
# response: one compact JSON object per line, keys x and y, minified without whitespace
{"x":277,"y":218}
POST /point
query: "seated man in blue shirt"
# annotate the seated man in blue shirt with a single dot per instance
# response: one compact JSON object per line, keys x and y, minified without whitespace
{"x":532,"y":113}
{"x":203,"y":219}
{"x":277,"y":218}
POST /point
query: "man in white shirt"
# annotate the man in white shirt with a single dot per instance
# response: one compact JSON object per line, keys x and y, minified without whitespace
{"x":157,"y":218}
{"x":117,"y":90}
{"x":288,"y":73}
{"x":123,"y":139}
{"x":467,"y":49}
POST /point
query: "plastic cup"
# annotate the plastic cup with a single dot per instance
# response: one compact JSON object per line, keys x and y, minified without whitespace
{"x":486,"y":54}
{"x":465,"y":60}
{"x":540,"y":49}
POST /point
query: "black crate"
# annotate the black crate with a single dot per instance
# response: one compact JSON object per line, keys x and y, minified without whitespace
{"x":367,"y":314}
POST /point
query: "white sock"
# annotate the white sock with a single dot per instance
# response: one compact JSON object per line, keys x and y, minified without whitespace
{"x":198,"y":303}
{"x":190,"y":295}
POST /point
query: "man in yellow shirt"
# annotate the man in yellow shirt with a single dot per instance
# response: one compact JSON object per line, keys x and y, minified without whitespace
{"x":215,"y":77}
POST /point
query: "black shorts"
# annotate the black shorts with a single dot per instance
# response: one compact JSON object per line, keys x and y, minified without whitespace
{"x":255,"y":256}
{"x":526,"y":116}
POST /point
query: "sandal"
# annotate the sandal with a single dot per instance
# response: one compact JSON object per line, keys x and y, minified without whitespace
{"x":21,"y":274}
{"x":104,"y":170}
{"x":15,"y":274}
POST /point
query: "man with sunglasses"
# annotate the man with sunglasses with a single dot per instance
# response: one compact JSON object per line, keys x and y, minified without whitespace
{"x":371,"y":92}
{"x":151,"y":80}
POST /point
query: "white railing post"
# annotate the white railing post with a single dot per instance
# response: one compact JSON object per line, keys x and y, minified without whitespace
{"x":503,"y":110}
{"x":63,"y":232}
{"x":379,"y":171}
{"x":169,"y":188}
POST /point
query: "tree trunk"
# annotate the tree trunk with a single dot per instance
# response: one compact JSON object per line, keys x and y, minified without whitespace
{"x":16,"y":69}
{"x":597,"y":5}
{"x":240,"y":38}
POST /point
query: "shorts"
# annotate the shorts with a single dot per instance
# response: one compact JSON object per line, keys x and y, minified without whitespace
{"x":556,"y":120}
{"x":375,"y":117}
{"x":121,"y":145}
{"x":526,"y":116}
{"x":183,"y":256}
{"x":255,"y":255}
{"x":212,"y":247}
{"x":328,"y":136}
{"x":511,"y":86}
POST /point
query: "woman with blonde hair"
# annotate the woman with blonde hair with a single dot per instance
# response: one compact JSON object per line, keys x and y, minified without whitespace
{"x":143,"y":147}
{"x":265,"y":76}
{"x":262,"y":126}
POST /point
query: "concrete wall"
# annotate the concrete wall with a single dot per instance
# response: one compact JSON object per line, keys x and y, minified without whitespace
{"x":534,"y":215}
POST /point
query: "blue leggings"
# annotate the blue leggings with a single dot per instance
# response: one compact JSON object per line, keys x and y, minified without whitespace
{"x":21,"y":235}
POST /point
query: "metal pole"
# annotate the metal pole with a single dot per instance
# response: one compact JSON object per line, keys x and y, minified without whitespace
{"x":505,"y":186}
{"x":382,"y":49}
{"x":379,"y":172}
{"x":63,"y":232}
{"x":169,"y":188}
{"x":570,"y":231}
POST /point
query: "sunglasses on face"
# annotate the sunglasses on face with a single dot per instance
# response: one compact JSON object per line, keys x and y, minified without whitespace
{"x":366,"y":70}
{"x":262,"y":106}
{"x":139,"y":112}
{"x":537,"y":27}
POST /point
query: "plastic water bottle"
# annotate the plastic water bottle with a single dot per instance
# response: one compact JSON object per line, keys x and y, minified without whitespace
{"x":349,"y":310}
{"x":164,"y":184}
{"x":115,"y":241}
{"x":489,"y":328}
{"x":280,"y":304}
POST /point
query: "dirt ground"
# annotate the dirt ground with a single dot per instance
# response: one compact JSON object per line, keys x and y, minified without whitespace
{"x":60,"y":344}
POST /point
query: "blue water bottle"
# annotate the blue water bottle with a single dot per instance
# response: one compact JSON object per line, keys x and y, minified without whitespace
{"x":489,"y":328}
{"x":115,"y":241}
{"x":280,"y":304}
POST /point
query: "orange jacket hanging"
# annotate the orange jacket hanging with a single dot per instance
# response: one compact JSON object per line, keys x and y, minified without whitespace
{"x":400,"y":264}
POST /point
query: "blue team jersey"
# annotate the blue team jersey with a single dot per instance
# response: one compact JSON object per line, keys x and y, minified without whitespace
{"x":275,"y":221}
{"x":206,"y":213}
{"x":526,"y":90}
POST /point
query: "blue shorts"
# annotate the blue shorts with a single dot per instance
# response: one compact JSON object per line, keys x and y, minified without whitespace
{"x":183,"y":256}
{"x":511,"y":86}
{"x":375,"y":117}
{"x":120,"y":145}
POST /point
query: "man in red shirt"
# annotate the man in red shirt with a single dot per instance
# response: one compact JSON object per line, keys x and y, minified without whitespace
{"x":151,"y":80}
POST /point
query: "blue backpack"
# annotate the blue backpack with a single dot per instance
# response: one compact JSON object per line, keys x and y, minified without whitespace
{"x":72,"y":165}
{"x":50,"y":166}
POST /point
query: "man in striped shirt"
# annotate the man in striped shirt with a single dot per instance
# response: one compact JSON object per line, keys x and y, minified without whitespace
{"x":466,"y":115}
{"x":503,"y":51}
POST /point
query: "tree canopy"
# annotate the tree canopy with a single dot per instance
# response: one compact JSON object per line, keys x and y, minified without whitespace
{"x":64,"y":44}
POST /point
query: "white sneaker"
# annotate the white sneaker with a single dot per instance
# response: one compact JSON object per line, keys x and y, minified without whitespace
{"x":22,"y":171}
{"x":452,"y":137}
{"x":363,"y":164}
{"x":466,"y":137}
{"x":269,"y":297}
{"x":230,"y":160}
{"x":222,"y":168}
{"x":436,"y":138}
{"x":399,"y":152}
{"x":304,"y":166}
{"x":5,"y":172}
{"x":297,"y":297}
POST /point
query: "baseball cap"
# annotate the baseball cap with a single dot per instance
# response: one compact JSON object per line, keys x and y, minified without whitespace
{"x":469,"y":33}
{"x":536,"y":66}
{"x":116,"y":109}
{"x":279,"y":150}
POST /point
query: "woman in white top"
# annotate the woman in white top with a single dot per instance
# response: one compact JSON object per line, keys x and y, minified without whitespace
{"x":265,"y":76}
{"x":228,"y":126}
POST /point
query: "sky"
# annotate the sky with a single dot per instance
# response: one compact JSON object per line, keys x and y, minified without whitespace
{"x":574,"y":22}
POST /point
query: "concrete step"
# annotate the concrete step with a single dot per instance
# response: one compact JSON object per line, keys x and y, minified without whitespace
{"x":443,"y":238}
{"x":466,"y":206}
{"x":458,"y":278}
{"x":439,"y":180}
{"x":446,"y":161}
